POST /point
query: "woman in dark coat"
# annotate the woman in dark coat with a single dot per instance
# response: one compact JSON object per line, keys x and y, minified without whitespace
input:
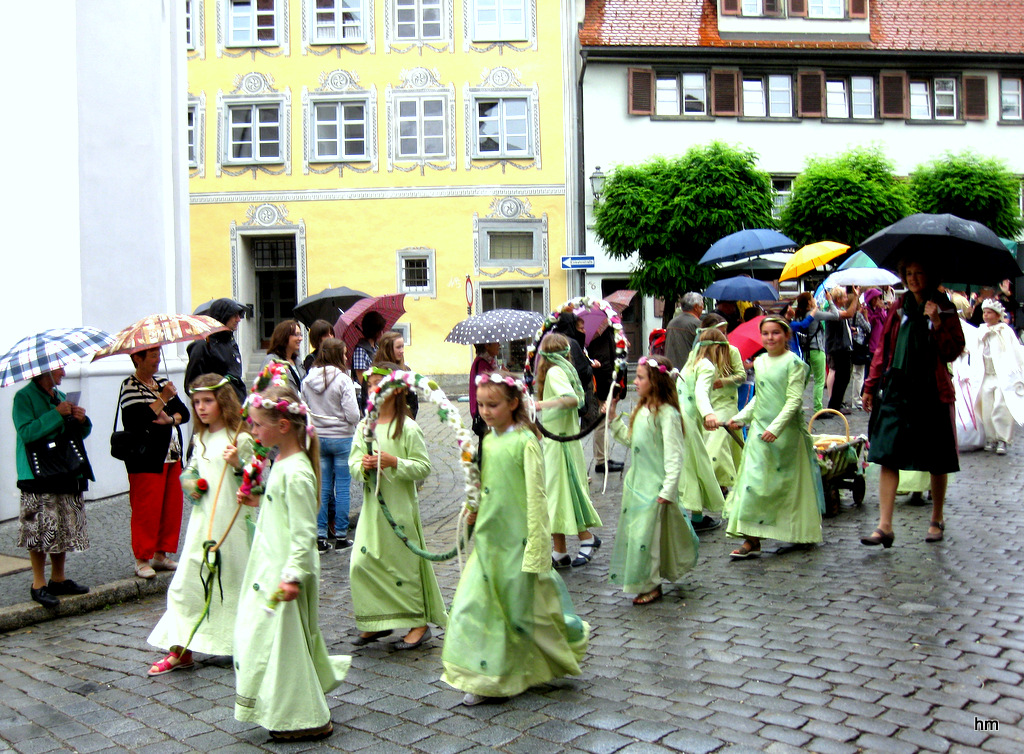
{"x":152,"y":410}
{"x":910,"y":390}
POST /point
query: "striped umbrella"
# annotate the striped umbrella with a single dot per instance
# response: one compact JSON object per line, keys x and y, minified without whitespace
{"x":50,"y":350}
{"x":161,"y":330}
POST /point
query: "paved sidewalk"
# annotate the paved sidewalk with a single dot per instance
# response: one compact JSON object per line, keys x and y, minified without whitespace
{"x":840,"y":648}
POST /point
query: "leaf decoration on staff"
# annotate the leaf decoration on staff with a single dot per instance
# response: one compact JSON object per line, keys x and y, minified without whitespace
{"x":466,"y":441}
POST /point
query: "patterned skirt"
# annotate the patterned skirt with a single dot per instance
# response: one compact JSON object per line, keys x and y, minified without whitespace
{"x":52,"y":522}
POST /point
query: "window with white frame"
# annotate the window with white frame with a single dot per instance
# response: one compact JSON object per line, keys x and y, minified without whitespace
{"x":190,"y":21}
{"x":666,"y":95}
{"x":510,"y":243}
{"x":339,"y":130}
{"x":499,"y":20}
{"x":254,"y":133}
{"x":779,"y":100}
{"x":782,"y":192}
{"x":421,"y":123}
{"x":416,"y":272}
{"x":826,"y":9}
{"x":252,"y":22}
{"x":418,"y":20}
{"x":850,"y":98}
{"x":935,"y":98}
{"x":339,"y":22}
{"x":682,"y":94}
{"x":193,"y":160}
{"x":1010,"y":94}
{"x":752,"y":8}
{"x":503,"y":127}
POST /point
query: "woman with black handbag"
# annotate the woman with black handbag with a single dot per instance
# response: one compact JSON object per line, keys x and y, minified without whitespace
{"x":152,"y":411}
{"x":53,"y":472}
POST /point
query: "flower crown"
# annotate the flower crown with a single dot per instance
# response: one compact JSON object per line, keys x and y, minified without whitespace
{"x":995,"y":305}
{"x":652,"y":364}
{"x":208,"y":388}
{"x":376,"y":370}
{"x":297,"y":408}
{"x":497,"y":379}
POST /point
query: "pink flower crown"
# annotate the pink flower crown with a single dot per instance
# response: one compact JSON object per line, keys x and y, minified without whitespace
{"x":497,"y":379}
{"x":296,"y":408}
{"x":652,"y":364}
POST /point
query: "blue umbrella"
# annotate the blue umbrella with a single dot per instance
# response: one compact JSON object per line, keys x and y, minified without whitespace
{"x":746,"y":243}
{"x":741,"y":288}
{"x":857,"y":259}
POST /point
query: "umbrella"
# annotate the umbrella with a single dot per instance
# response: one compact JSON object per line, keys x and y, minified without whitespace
{"x":327,"y":304}
{"x":857,"y":259}
{"x":496,"y":326}
{"x":621,"y":299}
{"x":746,"y":243}
{"x":747,"y":337}
{"x":861,"y":276}
{"x":958,"y":249}
{"x":49,"y":350}
{"x":594,"y":319}
{"x":349,"y":325}
{"x":810,"y":256}
{"x":741,"y":288}
{"x":161,"y":330}
{"x":204,"y":308}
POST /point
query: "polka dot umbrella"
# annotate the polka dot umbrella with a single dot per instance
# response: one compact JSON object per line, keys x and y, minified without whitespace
{"x":496,"y":326}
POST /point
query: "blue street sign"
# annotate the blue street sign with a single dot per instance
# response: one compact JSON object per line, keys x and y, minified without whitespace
{"x":577,"y":263}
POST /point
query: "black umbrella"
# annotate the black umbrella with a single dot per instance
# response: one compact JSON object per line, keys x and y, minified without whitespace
{"x":327,"y":304}
{"x":958,"y":249}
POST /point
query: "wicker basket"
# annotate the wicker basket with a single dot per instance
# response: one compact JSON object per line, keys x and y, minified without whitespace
{"x":825,"y":442}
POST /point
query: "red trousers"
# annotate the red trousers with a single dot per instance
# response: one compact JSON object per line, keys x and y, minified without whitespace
{"x":156,"y":503}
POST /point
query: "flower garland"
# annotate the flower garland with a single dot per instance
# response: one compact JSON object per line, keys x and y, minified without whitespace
{"x":427,"y":389}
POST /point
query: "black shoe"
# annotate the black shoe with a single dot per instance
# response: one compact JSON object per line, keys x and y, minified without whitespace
{"x":362,"y":641}
{"x":917,"y":499}
{"x":66,"y":587}
{"x":403,"y":644}
{"x":564,"y":561}
{"x":323,"y":545}
{"x":706,"y":524}
{"x":44,"y":598}
{"x":613,"y":466}
{"x":342,"y":544}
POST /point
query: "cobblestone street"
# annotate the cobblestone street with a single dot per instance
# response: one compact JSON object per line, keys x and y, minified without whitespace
{"x":840,"y":648}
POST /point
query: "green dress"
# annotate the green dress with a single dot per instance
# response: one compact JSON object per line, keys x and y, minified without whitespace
{"x":282,"y":669}
{"x":512,"y":623}
{"x":392,"y":587}
{"x":778,"y":491}
{"x":564,"y":468}
{"x":654,"y":541}
{"x":698,"y":486}
{"x":723,"y":402}
{"x":185,"y":599}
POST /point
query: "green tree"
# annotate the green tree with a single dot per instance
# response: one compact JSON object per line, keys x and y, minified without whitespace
{"x":845,"y":198}
{"x":668,"y":211}
{"x":972,"y":187}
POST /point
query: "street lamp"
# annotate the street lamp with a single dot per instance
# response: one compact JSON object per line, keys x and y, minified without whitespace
{"x":597,"y":180}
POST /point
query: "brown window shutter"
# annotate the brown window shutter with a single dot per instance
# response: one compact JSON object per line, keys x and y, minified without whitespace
{"x":641,"y":91}
{"x":798,"y":7}
{"x":975,"y":97}
{"x":730,"y":7}
{"x":725,"y":92}
{"x":858,"y":8}
{"x":893,"y":89}
{"x":812,"y":94}
{"x":773,"y":7}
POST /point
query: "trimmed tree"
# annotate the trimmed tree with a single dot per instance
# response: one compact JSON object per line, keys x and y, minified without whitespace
{"x":668,"y":211}
{"x":972,"y":187}
{"x":845,"y":198}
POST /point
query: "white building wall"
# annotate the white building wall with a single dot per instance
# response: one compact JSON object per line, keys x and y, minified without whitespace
{"x":97,"y":185}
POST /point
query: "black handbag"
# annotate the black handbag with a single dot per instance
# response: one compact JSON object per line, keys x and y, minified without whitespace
{"x":124,"y":445}
{"x":63,"y":455}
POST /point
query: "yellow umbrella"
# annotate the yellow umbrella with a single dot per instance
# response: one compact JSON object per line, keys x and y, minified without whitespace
{"x":810,"y":256}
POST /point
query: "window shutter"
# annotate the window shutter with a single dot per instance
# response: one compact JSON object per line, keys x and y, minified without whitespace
{"x":730,"y":7}
{"x":798,"y":7}
{"x":858,"y":8}
{"x":893,"y":90}
{"x":812,"y":94}
{"x":725,"y":92}
{"x":975,"y":97}
{"x":641,"y":91}
{"x":773,"y":7}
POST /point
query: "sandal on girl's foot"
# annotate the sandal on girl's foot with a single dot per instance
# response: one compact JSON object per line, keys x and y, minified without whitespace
{"x":173,"y":661}
{"x":471,"y":700}
{"x":306,"y":734}
{"x":371,"y":637}
{"x":164,"y":564}
{"x":745,"y":550}
{"x":145,"y":571}
{"x":879,"y":537}
{"x":941,"y":526}
{"x":586,"y":553}
{"x":564,"y":560}
{"x":646,"y":599}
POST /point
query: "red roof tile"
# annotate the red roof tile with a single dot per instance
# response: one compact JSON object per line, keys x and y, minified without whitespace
{"x":967,"y":26}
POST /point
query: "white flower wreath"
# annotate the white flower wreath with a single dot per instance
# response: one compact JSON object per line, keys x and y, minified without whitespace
{"x":429,"y":390}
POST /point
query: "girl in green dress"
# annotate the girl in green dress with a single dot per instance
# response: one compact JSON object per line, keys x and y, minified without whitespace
{"x":778,"y":486}
{"x":654,"y":540}
{"x":282,"y":669}
{"x":512,"y":623}
{"x":569,"y":504}
{"x":392,"y":587}
{"x":715,"y":399}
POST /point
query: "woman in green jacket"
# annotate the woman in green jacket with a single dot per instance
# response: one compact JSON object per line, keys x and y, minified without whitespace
{"x":52,"y":518}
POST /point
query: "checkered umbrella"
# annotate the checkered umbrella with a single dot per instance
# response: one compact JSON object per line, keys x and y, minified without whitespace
{"x":49,"y":350}
{"x":160,"y":330}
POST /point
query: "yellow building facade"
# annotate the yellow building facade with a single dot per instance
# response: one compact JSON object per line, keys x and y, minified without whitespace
{"x":391,"y":146}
